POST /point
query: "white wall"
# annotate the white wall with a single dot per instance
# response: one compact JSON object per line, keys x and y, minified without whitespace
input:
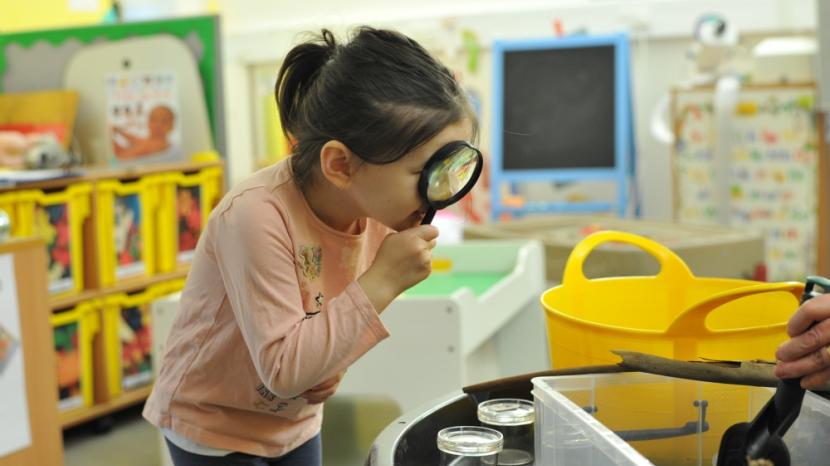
{"x":823,"y":32}
{"x":259,"y":31}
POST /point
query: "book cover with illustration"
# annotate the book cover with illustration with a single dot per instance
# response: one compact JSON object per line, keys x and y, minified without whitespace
{"x":143,"y":117}
{"x":52,"y":224}
{"x":189,"y":220}
{"x":135,"y":334}
{"x":129,"y":255}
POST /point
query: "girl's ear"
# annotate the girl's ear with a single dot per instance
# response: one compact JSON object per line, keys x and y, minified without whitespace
{"x":338,"y":164}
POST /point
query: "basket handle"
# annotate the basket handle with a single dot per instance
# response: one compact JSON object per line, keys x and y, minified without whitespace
{"x":692,"y":321}
{"x":672,"y":266}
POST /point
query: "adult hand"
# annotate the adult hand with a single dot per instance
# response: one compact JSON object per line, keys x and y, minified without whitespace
{"x":806,"y":354}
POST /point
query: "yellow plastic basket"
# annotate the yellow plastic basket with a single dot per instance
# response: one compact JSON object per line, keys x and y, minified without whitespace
{"x":186,"y":202}
{"x":57,"y":217}
{"x":672,"y":314}
{"x":74,"y":330}
{"x":127,"y":327}
{"x":125,"y":228}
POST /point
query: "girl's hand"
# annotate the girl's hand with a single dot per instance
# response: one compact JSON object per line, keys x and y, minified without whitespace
{"x":806,"y":354}
{"x":323,"y":391}
{"x":403,"y":260}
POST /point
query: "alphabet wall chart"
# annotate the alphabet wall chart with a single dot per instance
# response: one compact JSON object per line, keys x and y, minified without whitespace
{"x":771,"y":165}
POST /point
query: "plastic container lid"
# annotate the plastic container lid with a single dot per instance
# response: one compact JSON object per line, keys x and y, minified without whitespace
{"x":470,"y":441}
{"x":506,"y":412}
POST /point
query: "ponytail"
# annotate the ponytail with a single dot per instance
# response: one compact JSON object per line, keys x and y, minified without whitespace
{"x":300,"y":68}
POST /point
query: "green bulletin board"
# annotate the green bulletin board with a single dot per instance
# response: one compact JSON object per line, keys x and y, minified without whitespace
{"x":204,"y":28}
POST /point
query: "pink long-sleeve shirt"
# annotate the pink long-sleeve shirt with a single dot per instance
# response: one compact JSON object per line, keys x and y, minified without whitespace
{"x":271,"y":308}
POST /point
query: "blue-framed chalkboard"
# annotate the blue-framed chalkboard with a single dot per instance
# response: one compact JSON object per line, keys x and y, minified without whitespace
{"x":562,"y":113}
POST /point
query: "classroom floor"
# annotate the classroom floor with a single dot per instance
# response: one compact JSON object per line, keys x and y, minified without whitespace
{"x":349,"y":427}
{"x":130,"y":442}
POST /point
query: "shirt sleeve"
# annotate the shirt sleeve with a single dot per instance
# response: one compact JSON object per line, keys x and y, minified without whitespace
{"x":291,"y":354}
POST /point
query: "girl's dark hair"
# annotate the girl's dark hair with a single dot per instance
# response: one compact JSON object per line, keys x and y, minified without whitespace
{"x":381,"y":94}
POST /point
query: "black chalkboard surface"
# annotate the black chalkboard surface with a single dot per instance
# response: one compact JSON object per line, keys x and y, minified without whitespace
{"x":558,"y":108}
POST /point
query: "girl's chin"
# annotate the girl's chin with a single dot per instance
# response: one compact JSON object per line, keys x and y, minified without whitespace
{"x":413,"y":220}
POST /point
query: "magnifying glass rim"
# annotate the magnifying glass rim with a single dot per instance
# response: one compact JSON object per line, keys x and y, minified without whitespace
{"x":444,"y":153}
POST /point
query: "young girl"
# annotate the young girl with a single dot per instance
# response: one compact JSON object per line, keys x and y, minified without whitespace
{"x":298,"y":260}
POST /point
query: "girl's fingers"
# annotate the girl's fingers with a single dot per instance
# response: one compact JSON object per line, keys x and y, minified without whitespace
{"x":326,"y":384}
{"x":319,"y":396}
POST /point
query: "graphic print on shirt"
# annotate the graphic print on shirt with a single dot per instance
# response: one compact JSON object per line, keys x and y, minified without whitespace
{"x":310,"y":260}
{"x":318,"y":306}
{"x":269,"y":402}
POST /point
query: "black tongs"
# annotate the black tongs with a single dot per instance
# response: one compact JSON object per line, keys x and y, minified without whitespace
{"x":762,"y":439}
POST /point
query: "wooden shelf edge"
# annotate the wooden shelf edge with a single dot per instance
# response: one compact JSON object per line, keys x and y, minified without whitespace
{"x":79,"y":416}
{"x":136,"y":284}
{"x":127,"y":286}
{"x":85,"y":174}
{"x":69,"y":300}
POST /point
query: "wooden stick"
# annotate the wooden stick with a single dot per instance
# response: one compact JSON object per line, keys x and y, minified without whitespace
{"x":755,"y":373}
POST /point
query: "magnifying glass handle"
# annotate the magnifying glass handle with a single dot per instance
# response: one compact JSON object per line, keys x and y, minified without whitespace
{"x":428,"y":217}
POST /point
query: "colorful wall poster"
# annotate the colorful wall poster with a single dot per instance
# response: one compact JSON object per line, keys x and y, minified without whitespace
{"x":772,"y":164}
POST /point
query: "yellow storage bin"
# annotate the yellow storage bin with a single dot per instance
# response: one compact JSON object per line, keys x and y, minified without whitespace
{"x":673,"y":314}
{"x":57,"y":217}
{"x":74,"y":330}
{"x":125,"y":228}
{"x":186,"y":202}
{"x":128,"y":336}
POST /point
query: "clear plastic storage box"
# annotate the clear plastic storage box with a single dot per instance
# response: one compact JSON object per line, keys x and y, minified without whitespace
{"x":597,"y":420}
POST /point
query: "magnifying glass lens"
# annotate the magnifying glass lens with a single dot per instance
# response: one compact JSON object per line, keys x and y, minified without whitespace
{"x":449,"y":175}
{"x":452,"y":175}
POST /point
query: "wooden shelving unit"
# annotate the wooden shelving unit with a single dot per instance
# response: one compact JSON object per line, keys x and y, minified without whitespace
{"x":80,"y":415}
{"x":129,"y":398}
{"x":104,"y":403}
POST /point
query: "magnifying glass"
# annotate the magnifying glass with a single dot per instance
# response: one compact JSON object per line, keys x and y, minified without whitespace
{"x":448,"y":175}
